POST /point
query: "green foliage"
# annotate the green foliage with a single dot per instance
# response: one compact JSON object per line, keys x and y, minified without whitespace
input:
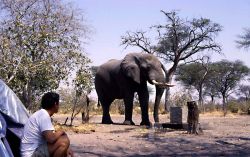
{"x":40,"y":45}
{"x":245,"y":107}
{"x":244,"y":40}
{"x":239,"y":106}
{"x":226,"y":75}
{"x":190,"y":74}
{"x":233,"y":107}
{"x":83,"y":81}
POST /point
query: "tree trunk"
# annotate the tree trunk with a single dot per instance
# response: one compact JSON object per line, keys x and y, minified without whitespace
{"x":167,"y":101}
{"x":85,"y":115}
{"x":212,"y":99}
{"x":224,"y":104}
{"x":27,"y":96}
{"x":201,"y":99}
{"x":73,"y":111}
{"x":167,"y":93}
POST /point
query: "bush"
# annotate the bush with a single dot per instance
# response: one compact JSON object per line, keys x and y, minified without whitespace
{"x":233,"y":106}
{"x":211,"y":107}
{"x":117,"y":107}
{"x":236,"y":107}
{"x":245,"y":107}
{"x":180,"y":99}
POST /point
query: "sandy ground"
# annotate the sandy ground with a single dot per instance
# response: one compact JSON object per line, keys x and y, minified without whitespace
{"x":222,"y":136}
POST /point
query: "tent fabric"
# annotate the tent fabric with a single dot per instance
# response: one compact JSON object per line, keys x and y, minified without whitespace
{"x":11,"y":105}
{"x":5,"y":149}
{"x":2,"y":127}
{"x":13,"y":116}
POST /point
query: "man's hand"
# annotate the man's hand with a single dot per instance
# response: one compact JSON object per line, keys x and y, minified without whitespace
{"x":52,"y":136}
{"x":60,"y":132}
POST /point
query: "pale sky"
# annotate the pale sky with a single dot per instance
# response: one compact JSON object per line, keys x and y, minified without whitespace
{"x":111,"y":19}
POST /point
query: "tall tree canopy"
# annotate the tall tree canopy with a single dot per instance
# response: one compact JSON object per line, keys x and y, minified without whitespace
{"x":193,"y":75}
{"x":40,"y":44}
{"x":244,"y":40}
{"x":178,"y":40}
{"x":226,"y":76}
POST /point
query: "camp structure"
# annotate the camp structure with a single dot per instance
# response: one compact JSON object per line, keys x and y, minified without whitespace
{"x":13,"y":116}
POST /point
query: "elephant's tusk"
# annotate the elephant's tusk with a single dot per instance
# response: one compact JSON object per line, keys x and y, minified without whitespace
{"x":155,"y":82}
{"x":162,"y":84}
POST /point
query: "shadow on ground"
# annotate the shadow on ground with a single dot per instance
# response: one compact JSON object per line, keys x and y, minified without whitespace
{"x":162,"y":145}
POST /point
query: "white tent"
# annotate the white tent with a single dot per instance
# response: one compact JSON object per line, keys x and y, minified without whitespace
{"x":11,"y":106}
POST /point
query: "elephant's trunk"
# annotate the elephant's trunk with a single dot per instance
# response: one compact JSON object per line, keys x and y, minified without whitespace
{"x":162,"y":84}
{"x":159,"y":91}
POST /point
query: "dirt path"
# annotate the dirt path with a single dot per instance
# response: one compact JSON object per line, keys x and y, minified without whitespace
{"x":223,"y":136}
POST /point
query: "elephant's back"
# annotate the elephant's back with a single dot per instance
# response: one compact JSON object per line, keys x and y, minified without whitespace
{"x":109,"y":68}
{"x":107,"y":74}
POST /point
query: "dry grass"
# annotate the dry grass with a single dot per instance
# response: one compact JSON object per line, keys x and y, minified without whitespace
{"x":82,"y":128}
{"x":217,"y":114}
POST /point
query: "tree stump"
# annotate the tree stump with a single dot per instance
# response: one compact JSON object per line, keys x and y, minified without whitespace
{"x":193,"y":118}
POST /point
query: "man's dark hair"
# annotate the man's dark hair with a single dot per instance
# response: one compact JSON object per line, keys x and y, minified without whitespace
{"x":49,"y":99}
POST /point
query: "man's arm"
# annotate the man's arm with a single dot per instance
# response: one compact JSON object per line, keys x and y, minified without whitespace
{"x":52,"y":136}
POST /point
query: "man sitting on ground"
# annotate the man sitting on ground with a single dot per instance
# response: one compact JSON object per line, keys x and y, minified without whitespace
{"x":39,"y":137}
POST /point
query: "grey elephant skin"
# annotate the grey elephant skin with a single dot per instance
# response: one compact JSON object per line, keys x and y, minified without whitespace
{"x":120,"y":79}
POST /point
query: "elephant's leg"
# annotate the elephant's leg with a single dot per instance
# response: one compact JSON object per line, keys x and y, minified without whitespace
{"x":106,"y":119}
{"x":144,"y":99}
{"x":128,"y":102}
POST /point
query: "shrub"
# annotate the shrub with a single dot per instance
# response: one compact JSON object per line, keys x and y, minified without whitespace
{"x":211,"y":107}
{"x":180,"y":99}
{"x":117,"y":107}
{"x":245,"y":107}
{"x":233,"y":106}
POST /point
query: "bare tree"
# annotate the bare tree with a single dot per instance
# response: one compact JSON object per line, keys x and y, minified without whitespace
{"x":177,"y":41}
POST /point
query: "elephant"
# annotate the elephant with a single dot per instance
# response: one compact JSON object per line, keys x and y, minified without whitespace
{"x":120,"y":79}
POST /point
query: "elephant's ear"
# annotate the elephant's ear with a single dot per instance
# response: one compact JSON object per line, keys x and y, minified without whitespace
{"x":130,"y":68}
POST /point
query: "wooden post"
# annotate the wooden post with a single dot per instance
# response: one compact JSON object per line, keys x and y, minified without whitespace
{"x":193,"y":118}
